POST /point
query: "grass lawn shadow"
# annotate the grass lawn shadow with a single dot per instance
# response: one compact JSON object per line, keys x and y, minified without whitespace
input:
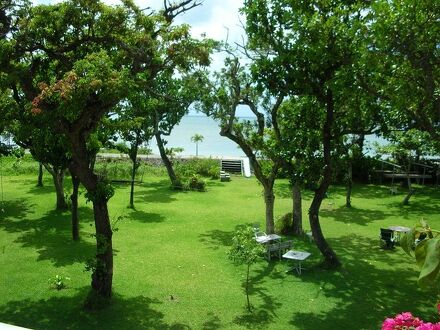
{"x":15,"y":209}
{"x":145,"y":217}
{"x":51,"y":238}
{"x":215,"y":238}
{"x":64,"y":312}
{"x":156,"y":192}
{"x":266,"y":312}
{"x":361,"y":286}
{"x":353,"y":215}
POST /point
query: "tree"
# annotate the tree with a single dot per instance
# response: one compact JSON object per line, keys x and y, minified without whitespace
{"x":312,"y":49}
{"x":297,"y":149}
{"x":166,"y":111}
{"x":406,"y":147}
{"x":85,"y":57}
{"x":403,"y":53}
{"x":245,"y":250}
{"x":131,"y":129}
{"x":231,"y":88}
{"x":196,"y":138}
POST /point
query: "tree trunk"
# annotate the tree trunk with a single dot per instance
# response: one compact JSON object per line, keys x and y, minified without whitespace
{"x":58,"y":180}
{"x":168,"y":165}
{"x":97,"y":192}
{"x":410,"y":190}
{"x":330,"y":258}
{"x":269,"y":199}
{"x":40,"y":175}
{"x":349,"y":184}
{"x":74,"y":199}
{"x":103,"y":273}
{"x":297,"y":209}
{"x":134,"y":161}
{"x":247,"y":288}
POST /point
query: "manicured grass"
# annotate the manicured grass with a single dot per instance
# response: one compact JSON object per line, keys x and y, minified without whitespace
{"x":171,"y":269}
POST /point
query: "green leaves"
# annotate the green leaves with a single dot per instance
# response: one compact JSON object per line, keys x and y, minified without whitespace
{"x":407,"y":241}
{"x":425,"y":244}
{"x":245,"y":249}
{"x":428,"y":256}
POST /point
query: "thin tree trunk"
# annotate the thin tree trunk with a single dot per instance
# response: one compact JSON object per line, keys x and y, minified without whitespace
{"x":40,"y":175}
{"x":297,"y":209}
{"x":74,"y":199}
{"x":58,"y":180}
{"x":330,"y":258}
{"x":247,"y":288}
{"x":133,"y":157}
{"x":168,"y":165}
{"x":269,"y":199}
{"x":410,"y":190}
{"x":349,"y":184}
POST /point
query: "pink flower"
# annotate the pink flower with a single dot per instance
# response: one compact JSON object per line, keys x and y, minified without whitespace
{"x":429,"y":326}
{"x":388,"y":324}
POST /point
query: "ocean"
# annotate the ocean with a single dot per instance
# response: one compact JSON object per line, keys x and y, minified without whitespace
{"x":214,"y":145}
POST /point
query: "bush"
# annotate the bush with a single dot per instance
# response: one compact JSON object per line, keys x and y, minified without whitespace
{"x":193,"y":182}
{"x":19,"y":165}
{"x":196,"y":183}
{"x":208,"y":168}
{"x":284,"y":224}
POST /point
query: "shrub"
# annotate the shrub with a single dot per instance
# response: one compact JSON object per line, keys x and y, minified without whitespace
{"x":208,"y":168}
{"x":196,"y":183}
{"x":192,"y":182}
{"x":58,"y":282}
{"x":283,"y":224}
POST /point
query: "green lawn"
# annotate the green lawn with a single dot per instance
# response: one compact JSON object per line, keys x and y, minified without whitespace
{"x":171,"y":270}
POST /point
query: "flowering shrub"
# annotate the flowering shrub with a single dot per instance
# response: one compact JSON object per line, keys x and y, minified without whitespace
{"x":406,"y":321}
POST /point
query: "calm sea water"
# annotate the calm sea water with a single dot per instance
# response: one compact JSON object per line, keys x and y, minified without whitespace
{"x":213,"y":144}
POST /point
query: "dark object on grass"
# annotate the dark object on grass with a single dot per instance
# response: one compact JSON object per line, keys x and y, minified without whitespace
{"x":387,"y":239}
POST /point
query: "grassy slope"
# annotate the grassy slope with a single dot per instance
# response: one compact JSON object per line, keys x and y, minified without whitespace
{"x":174,"y":244}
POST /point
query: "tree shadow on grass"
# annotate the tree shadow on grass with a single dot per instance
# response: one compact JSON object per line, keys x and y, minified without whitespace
{"x":216,"y":238}
{"x":212,"y":323}
{"x":354,"y":215}
{"x":15,"y":209}
{"x":61,"y":312}
{"x":51,"y":237}
{"x":419,"y":206}
{"x":266,"y":312}
{"x":144,"y":217}
{"x":369,"y":191}
{"x":366,"y":294}
{"x":156,"y":192}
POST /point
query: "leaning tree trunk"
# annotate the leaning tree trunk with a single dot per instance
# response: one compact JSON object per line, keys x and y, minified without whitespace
{"x":269,"y":200}
{"x":330,"y":258}
{"x":133,"y":157}
{"x":297,"y":209}
{"x":349,"y":184}
{"x":40,"y":175}
{"x":168,"y":165}
{"x":74,"y":199}
{"x":58,"y":180}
